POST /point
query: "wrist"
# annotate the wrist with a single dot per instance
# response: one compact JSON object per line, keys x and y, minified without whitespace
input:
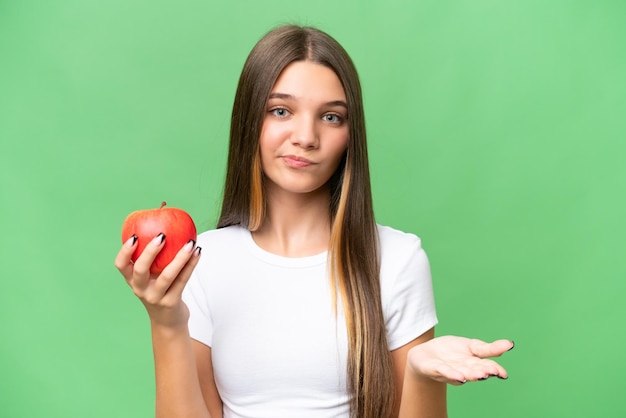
{"x":168,"y":319}
{"x":414,"y":366}
{"x":168,"y":331}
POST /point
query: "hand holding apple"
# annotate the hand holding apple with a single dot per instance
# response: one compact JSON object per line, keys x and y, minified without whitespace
{"x":174,"y":223}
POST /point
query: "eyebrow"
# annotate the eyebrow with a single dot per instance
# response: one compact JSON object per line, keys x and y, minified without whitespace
{"x":292,"y":97}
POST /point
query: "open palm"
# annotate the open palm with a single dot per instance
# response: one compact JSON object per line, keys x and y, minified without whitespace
{"x":457,"y":360}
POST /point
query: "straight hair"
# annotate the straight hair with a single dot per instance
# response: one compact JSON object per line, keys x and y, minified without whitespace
{"x":353,"y":264}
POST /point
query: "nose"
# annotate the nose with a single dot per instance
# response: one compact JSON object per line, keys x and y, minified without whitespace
{"x":305,"y":134}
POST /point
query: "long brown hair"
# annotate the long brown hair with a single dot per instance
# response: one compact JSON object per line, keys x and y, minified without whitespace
{"x":353,"y":249}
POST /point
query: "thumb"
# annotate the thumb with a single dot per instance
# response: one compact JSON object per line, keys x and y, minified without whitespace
{"x":495,"y":349}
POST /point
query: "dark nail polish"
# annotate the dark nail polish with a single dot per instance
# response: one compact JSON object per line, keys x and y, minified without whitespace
{"x":193,"y":242}
{"x":198,"y":251}
{"x":162,"y":235}
{"x":134,"y":237}
{"x":503,"y":378}
{"x":512,"y":342}
{"x":482,"y":378}
{"x":462,"y":381}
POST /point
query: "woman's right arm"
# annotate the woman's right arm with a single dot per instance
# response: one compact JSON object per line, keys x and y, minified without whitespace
{"x":178,"y":388}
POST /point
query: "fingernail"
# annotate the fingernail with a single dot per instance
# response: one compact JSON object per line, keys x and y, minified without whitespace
{"x":482,"y":378}
{"x":131,"y":241}
{"x":158,"y":240}
{"x":189,"y":246}
{"x":462,"y":381}
{"x":513,"y":346}
{"x":197,"y":251}
{"x":502,"y":378}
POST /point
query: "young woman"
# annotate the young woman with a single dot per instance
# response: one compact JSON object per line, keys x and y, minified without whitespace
{"x":301,"y":305}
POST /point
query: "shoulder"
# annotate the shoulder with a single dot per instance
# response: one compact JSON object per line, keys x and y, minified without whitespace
{"x":222,"y":249}
{"x":395,"y":244}
{"x":223,"y":240}
{"x":403,"y":261}
{"x":221,"y":235}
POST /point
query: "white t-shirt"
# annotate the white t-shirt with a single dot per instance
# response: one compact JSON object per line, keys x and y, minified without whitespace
{"x":278,"y":350}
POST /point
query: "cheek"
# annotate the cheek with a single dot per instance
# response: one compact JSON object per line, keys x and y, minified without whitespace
{"x":271,"y":137}
{"x":340,"y":144}
{"x":337,"y":153}
{"x":265,"y":145}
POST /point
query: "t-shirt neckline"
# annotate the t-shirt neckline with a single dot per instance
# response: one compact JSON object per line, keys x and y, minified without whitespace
{"x":279,"y":260}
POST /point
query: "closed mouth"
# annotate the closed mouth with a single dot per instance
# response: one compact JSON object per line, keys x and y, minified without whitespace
{"x":295,"y":161}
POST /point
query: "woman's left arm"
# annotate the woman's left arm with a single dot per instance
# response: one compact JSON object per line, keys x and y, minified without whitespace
{"x":424,"y":366}
{"x":416,"y":397}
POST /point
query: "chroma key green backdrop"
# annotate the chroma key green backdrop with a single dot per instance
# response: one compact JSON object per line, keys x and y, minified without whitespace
{"x":496,"y":132}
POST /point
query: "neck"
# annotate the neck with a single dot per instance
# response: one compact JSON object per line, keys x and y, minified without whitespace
{"x":295,"y":225}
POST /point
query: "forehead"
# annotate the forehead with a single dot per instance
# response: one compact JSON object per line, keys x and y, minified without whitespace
{"x":309,"y":80}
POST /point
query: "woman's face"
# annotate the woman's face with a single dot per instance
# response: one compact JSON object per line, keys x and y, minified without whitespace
{"x":305,"y":129}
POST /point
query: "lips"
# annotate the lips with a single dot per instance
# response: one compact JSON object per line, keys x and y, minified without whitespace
{"x":296,"y":162}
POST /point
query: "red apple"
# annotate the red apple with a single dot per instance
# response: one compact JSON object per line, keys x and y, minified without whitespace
{"x":175,"y":223}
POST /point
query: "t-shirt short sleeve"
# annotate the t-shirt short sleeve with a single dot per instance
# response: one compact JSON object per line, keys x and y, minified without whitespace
{"x":406,"y":287}
{"x":200,"y":321}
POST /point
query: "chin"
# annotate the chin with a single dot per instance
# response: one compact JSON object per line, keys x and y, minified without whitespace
{"x":299,"y":189}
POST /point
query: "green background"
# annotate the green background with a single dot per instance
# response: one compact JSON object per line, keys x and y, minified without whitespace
{"x":496,"y":132}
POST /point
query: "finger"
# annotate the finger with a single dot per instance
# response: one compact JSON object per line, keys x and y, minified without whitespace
{"x":123,"y":259}
{"x":492,"y":368}
{"x":481,"y":370}
{"x":175,"y":291}
{"x":446,"y":373}
{"x":500,"y":372}
{"x":495,"y":349}
{"x":172,"y":271}
{"x":143,"y":263}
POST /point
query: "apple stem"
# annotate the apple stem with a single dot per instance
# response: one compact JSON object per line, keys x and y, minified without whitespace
{"x":163,"y":204}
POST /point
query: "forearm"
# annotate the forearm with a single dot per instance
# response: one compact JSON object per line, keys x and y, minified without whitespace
{"x":178,"y":392}
{"x":422,"y":397}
